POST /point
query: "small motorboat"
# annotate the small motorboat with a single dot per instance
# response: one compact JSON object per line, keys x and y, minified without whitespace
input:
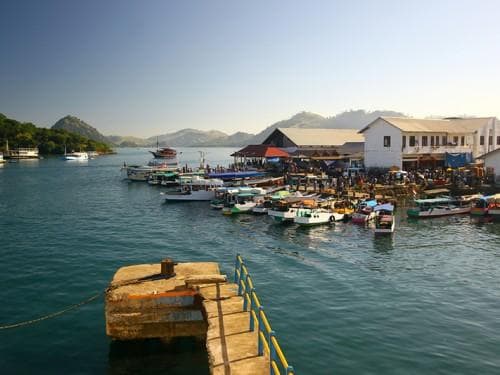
{"x":385,"y":221}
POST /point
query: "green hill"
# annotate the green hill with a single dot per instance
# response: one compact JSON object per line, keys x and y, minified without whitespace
{"x":48,"y":141}
{"x":75,"y":125}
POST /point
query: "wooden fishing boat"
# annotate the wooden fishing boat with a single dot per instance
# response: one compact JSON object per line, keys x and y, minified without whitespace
{"x":494,"y":207}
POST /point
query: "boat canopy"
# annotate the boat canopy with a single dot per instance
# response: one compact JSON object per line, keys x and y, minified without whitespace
{"x":371,"y":203}
{"x":384,"y":207}
{"x":234,"y":175}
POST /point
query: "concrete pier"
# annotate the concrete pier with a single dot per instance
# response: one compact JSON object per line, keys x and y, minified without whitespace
{"x":193,"y":300}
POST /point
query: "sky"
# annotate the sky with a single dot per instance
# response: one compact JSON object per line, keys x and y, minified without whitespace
{"x":150,"y":67}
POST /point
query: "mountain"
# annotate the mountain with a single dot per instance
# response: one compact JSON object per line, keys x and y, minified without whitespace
{"x":353,"y":119}
{"x":75,"y":125}
{"x":128,"y":141}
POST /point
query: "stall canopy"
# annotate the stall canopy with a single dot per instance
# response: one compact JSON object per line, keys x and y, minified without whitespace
{"x":261,"y":151}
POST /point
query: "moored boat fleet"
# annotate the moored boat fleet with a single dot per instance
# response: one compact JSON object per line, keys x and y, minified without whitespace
{"x":240,"y":192}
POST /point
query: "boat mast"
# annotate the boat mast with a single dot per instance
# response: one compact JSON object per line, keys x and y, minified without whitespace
{"x":202,"y":159}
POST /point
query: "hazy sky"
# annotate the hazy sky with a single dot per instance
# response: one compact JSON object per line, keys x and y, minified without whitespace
{"x":150,"y":67}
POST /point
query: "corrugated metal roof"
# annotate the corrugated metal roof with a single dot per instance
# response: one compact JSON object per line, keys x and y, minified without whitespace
{"x":321,"y":137}
{"x":459,"y":125}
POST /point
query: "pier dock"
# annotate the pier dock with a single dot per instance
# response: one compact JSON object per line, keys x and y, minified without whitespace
{"x":168,"y":300}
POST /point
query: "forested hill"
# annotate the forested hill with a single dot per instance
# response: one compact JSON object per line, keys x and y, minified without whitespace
{"x":48,"y":141}
{"x":77,"y":126}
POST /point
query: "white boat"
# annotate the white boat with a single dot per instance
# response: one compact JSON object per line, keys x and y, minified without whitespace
{"x":142,"y":172}
{"x":385,"y":221}
{"x":436,"y":207}
{"x":316,"y":216}
{"x":195,"y":188}
{"x":2,"y":160}
{"x":77,"y":156}
{"x":23,"y":153}
{"x":241,"y":200}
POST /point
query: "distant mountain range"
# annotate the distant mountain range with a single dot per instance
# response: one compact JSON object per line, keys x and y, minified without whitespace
{"x":354,"y":119}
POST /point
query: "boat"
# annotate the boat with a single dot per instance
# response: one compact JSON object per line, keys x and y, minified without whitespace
{"x":142,"y":172}
{"x":442,"y":206}
{"x":343,"y":209}
{"x":76,"y":156}
{"x":364,"y":212}
{"x":315,"y":216}
{"x":194,"y":188}
{"x":265,"y":203}
{"x":22,"y":153}
{"x":164,"y":178}
{"x":285,"y":210}
{"x":241,"y":200}
{"x":480,"y":208}
{"x":164,"y":152}
{"x":385,"y":221}
{"x":494,"y":207}
{"x":220,"y":197}
{"x":2,"y":160}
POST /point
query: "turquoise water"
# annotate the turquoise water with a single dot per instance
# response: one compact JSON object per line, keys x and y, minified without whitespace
{"x":426,"y":300}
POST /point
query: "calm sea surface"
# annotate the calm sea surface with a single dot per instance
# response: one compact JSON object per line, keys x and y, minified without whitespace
{"x":426,"y":300}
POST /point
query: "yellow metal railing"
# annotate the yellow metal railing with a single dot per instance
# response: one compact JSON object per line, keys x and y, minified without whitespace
{"x":266,"y":337}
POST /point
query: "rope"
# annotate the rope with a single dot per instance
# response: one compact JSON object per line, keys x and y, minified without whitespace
{"x":52,"y":315}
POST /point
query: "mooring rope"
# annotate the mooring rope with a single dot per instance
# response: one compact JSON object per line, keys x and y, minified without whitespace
{"x":51,"y":315}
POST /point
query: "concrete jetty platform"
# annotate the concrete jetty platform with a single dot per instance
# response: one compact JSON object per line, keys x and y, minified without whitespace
{"x":167,"y":300}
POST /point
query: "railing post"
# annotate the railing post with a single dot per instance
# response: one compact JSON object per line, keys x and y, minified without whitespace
{"x":235,"y":269}
{"x":245,"y":300}
{"x":272,"y":352}
{"x":252,"y":323}
{"x":240,"y":286}
{"x":260,"y":345}
{"x":289,"y":370}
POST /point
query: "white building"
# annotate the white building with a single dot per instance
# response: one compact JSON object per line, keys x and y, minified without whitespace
{"x":492,"y":161}
{"x":412,"y":143}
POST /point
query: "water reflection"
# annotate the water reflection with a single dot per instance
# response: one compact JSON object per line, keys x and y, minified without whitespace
{"x":179,"y":356}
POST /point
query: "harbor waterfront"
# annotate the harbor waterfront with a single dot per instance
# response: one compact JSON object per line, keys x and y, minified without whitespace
{"x":425,"y":299}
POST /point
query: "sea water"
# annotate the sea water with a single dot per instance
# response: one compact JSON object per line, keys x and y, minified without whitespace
{"x":342,"y":301}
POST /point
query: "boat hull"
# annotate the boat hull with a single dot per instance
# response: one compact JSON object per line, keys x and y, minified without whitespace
{"x":201,"y":195}
{"x":438,"y":212}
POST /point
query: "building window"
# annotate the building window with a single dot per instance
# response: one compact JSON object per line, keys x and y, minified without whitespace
{"x":404,"y":141}
{"x":424,"y":140}
{"x":387,"y":141}
{"x":481,"y":140}
{"x":437,"y":140}
{"x":445,"y":140}
{"x":455,"y":141}
{"x":412,"y":141}
{"x":498,"y":139}
{"x":462,"y":140}
{"x":490,"y":140}
{"x":432,"y":140}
